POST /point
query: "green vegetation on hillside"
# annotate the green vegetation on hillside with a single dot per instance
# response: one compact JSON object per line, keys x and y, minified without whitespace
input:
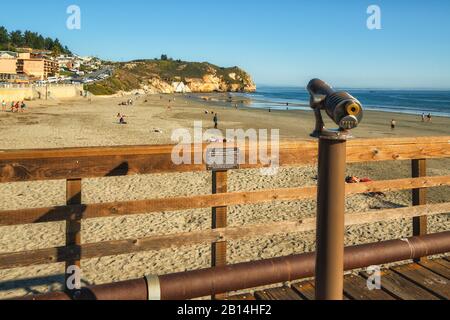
{"x":18,"y":39}
{"x":129,"y":76}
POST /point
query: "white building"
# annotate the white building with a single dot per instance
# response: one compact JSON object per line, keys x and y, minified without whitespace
{"x":180,"y":87}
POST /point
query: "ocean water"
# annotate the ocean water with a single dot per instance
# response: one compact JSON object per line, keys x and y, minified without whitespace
{"x":400,"y":101}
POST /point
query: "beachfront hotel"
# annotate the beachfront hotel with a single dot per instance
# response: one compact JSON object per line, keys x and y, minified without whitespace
{"x":20,"y":67}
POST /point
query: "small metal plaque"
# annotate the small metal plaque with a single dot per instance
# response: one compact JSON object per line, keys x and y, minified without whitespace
{"x":221,"y":159}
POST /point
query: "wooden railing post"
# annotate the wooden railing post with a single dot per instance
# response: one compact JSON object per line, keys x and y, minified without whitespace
{"x":419,"y":197}
{"x":73,"y":225}
{"x":219,"y":220}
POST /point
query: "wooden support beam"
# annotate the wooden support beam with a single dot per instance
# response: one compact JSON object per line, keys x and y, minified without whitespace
{"x":103,"y":210}
{"x":73,"y":226}
{"x":419,"y":198}
{"x":74,"y":163}
{"x":219,"y":221}
{"x":118,"y":247}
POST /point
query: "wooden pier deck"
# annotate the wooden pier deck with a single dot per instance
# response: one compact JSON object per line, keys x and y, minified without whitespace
{"x":428,"y":280}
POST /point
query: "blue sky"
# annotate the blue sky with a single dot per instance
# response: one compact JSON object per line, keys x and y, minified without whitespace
{"x":284,"y":42}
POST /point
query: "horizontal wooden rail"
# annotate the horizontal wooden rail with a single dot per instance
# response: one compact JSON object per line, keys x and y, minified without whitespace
{"x":78,"y":163}
{"x":88,"y":211}
{"x":118,"y":247}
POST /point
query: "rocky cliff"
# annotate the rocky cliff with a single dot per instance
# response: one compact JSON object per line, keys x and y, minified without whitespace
{"x":168,"y":76}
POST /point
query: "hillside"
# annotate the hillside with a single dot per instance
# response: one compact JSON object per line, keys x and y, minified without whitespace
{"x":159,"y":76}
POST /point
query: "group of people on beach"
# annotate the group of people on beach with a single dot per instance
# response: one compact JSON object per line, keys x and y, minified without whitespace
{"x":129,"y":102}
{"x":426,"y":118}
{"x":16,"y":106}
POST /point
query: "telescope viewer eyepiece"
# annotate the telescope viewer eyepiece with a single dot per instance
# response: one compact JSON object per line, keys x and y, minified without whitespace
{"x":344,"y":109}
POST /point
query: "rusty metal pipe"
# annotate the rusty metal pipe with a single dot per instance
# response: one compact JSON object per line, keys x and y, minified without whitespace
{"x":330,"y":219}
{"x":126,"y":290}
{"x":207,"y":282}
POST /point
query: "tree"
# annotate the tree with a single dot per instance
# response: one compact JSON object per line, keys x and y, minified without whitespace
{"x":16,"y":38}
{"x":4,"y":36}
{"x":39,"y":42}
{"x":48,"y":43}
{"x":164,"y":57}
{"x":28,"y":39}
{"x":56,"y":50}
{"x":34,"y":40}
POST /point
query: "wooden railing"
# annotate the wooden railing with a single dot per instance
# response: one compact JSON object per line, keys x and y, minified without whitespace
{"x":75,"y":164}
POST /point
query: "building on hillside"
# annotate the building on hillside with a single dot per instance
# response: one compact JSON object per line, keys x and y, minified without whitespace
{"x":180,"y":87}
{"x":8,"y":66}
{"x":19,"y":67}
{"x":34,"y":51}
{"x":8,"y":55}
{"x":37,"y":68}
{"x":24,"y":50}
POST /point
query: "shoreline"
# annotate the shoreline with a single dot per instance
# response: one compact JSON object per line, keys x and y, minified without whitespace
{"x":90,"y":122}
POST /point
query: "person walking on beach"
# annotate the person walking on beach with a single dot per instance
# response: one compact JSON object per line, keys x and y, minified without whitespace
{"x":216,"y":121}
{"x":393,"y":124}
{"x":423,"y":117}
{"x":122,"y":119}
{"x":429,"y":117}
{"x":3,"y":105}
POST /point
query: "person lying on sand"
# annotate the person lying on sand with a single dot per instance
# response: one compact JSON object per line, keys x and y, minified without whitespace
{"x":355,"y":179}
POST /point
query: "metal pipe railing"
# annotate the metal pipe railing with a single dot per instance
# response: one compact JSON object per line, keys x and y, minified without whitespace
{"x":208,"y":282}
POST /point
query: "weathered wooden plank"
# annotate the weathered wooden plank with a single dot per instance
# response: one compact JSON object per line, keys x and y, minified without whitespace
{"x":402,"y":288}
{"x":437,"y":267}
{"x":443,"y":262}
{"x":241,"y":297}
{"x":78,"y":163}
{"x":397,"y":185}
{"x":86,"y":163}
{"x":356,"y":288}
{"x":40,"y":215}
{"x":73,"y":225}
{"x":425,"y":278}
{"x":419,"y":198}
{"x":110,"y":248}
{"x":305,"y":289}
{"x":219,"y":221}
{"x":283,"y":293}
{"x":118,"y":247}
{"x":25,"y":216}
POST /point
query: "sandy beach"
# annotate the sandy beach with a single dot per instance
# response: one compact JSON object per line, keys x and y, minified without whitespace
{"x":93,"y":122}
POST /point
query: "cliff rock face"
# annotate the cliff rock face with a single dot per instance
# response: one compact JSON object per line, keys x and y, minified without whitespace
{"x":157,"y":76}
{"x":213,"y":82}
